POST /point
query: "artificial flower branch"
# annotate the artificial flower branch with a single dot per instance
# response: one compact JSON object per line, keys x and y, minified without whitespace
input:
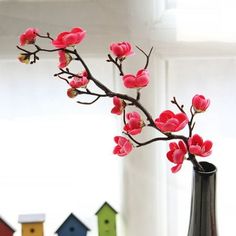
{"x":187,"y":147}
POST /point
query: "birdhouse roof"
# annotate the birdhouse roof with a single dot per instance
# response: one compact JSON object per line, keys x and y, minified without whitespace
{"x":68,"y":218}
{"x":7,"y":224}
{"x":102,"y":207}
{"x":31,"y":218}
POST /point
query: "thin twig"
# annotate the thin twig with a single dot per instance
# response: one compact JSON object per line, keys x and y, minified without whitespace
{"x":115,"y":62}
{"x":147,"y":56}
{"x":88,"y":103}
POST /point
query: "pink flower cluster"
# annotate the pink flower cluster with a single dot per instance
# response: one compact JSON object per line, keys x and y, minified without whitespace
{"x":167,"y":122}
{"x":200,"y":103}
{"x":119,"y":106}
{"x":29,"y":36}
{"x":67,"y":39}
{"x":79,"y":81}
{"x":135,"y":123}
{"x":64,"y":59}
{"x":176,"y":154}
{"x":121,"y":50}
{"x":140,"y":80}
{"x":196,"y":146}
{"x":63,"y":40}
{"x":70,"y":38}
{"x":123,"y":146}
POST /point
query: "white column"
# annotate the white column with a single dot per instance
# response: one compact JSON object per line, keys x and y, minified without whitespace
{"x":144,"y":171}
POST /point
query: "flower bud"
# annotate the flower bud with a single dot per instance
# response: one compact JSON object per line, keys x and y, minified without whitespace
{"x":24,"y":58}
{"x":121,"y":50}
{"x":200,"y":103}
{"x":71,"y":92}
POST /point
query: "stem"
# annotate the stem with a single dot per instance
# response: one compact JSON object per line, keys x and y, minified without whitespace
{"x":119,"y":66}
{"x":88,"y":103}
{"x":181,"y":108}
{"x":190,"y":123}
{"x":195,"y":163}
{"x":46,"y":37}
{"x":147,"y":56}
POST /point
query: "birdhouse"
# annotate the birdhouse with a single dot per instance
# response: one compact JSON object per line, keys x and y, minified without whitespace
{"x":32,"y":224}
{"x":5,"y":228}
{"x":72,"y":226}
{"x":106,"y":220}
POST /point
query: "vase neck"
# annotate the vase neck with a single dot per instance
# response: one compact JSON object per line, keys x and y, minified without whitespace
{"x":203,"y":202}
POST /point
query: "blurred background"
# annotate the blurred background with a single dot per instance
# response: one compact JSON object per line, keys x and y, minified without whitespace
{"x":56,"y":155}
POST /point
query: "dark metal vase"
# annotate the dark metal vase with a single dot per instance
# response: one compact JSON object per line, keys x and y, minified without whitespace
{"x":203,"y":202}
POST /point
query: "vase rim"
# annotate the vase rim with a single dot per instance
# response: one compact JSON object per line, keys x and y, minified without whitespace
{"x":209,"y":168}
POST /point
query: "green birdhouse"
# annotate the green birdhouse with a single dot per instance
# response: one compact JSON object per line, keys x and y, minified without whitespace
{"x":106,"y":220}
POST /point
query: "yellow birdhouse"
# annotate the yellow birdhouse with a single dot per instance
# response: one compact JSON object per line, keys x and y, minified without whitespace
{"x":32,"y":224}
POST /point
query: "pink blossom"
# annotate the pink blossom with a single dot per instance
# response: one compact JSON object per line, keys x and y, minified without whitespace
{"x":140,"y":80}
{"x":119,"y":105}
{"x":72,"y":92}
{"x":71,"y":38}
{"x":123,"y":147}
{"x":176,"y":154}
{"x":29,"y":36}
{"x":64,"y":59}
{"x":170,"y":122}
{"x":200,"y":103}
{"x":80,"y":81}
{"x":199,"y":147}
{"x":122,"y":49}
{"x":135,"y":123}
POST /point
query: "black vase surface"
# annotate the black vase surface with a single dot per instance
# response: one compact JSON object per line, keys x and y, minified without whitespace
{"x":203,"y":202}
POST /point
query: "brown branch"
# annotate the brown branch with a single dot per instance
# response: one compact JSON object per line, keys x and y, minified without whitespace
{"x":109,"y":93}
{"x":115,"y":62}
{"x":181,"y":107}
{"x":147,"y":56}
{"x":88,"y":103}
{"x":45,"y":37}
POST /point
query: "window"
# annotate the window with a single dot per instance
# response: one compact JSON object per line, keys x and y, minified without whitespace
{"x":56,"y":154}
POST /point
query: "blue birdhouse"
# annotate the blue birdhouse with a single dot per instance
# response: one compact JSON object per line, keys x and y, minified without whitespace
{"x":72,"y":226}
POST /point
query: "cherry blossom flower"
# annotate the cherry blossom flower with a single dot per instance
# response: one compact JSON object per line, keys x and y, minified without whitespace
{"x":123,"y":147}
{"x":80,"y":81}
{"x":71,"y":38}
{"x":122,"y":49}
{"x":200,"y":103}
{"x":199,"y":147}
{"x":29,"y":36}
{"x":119,"y":105}
{"x":64,"y":59}
{"x":170,"y":122}
{"x":176,"y":154}
{"x":135,"y":123}
{"x":140,"y":80}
